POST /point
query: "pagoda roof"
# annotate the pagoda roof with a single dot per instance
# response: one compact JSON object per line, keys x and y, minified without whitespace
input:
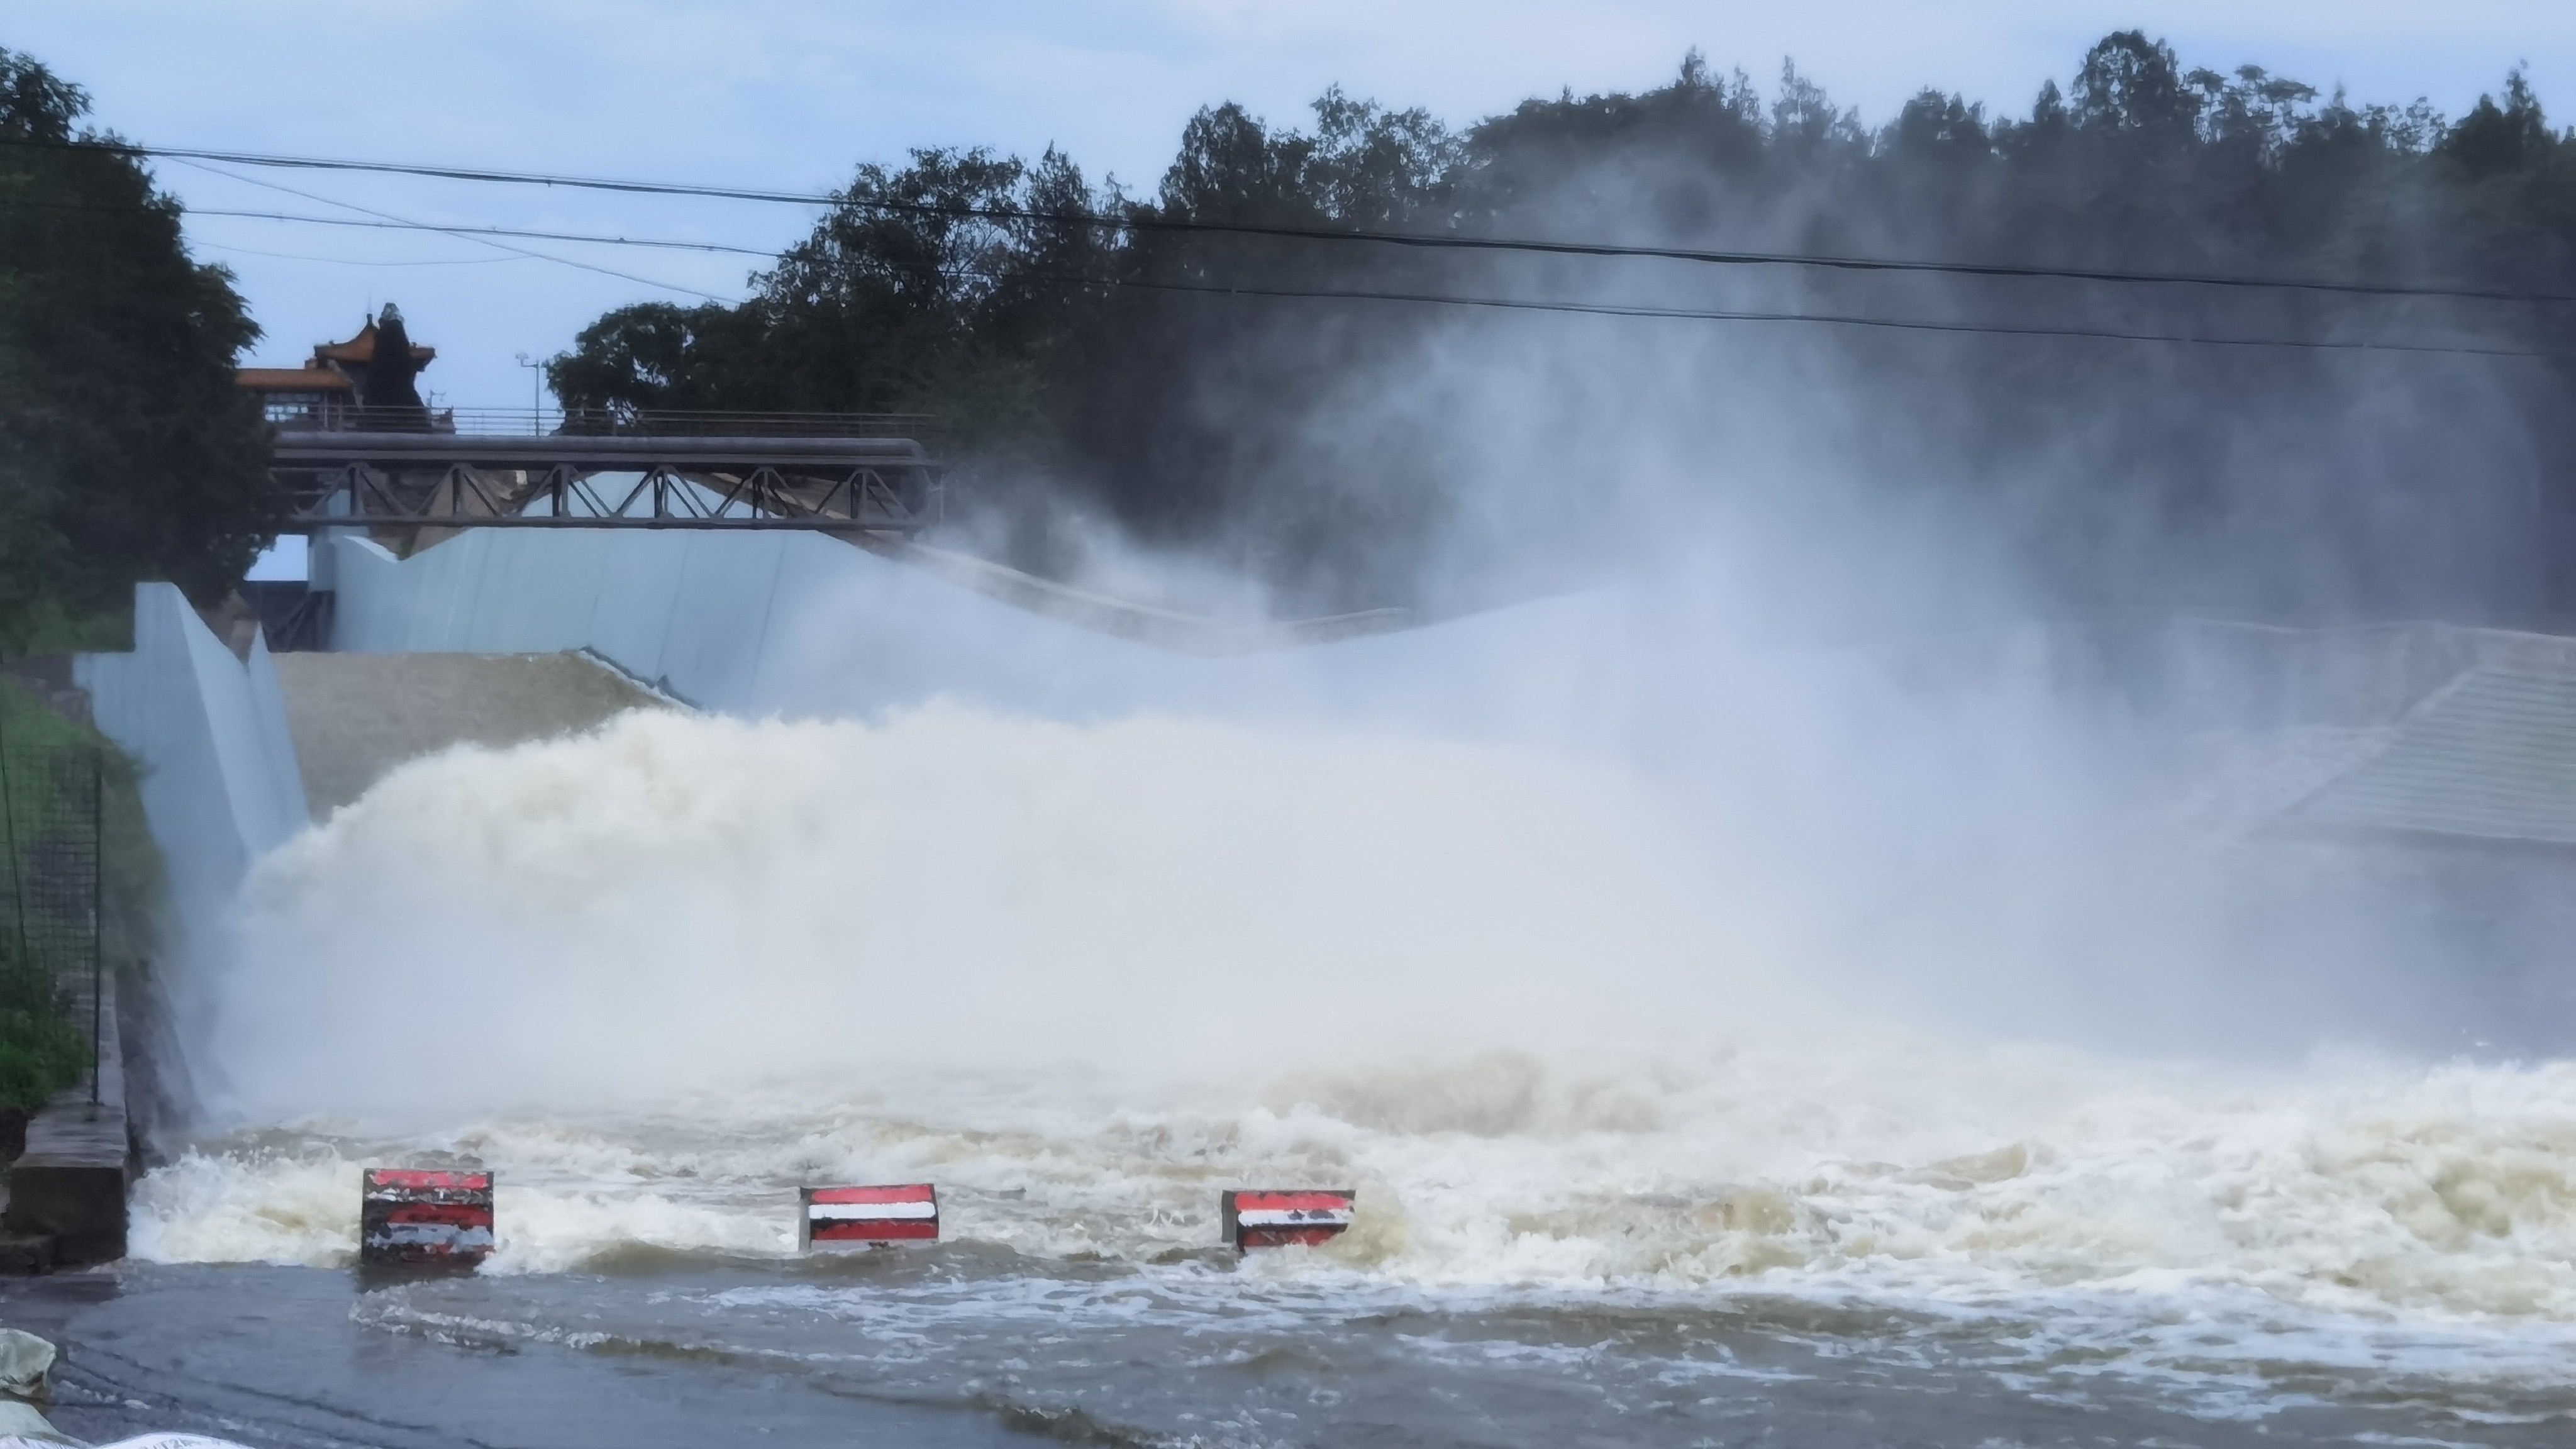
{"x":361,"y":350}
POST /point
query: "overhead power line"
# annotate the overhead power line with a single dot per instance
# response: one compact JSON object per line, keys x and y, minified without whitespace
{"x":231,"y":249}
{"x":1897,"y":324}
{"x":1510,"y":304}
{"x":509,"y":231}
{"x":501,"y":246}
{"x":1442,"y":241}
{"x":439,"y":228}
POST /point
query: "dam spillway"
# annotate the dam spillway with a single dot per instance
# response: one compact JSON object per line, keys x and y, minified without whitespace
{"x":354,"y":717}
{"x":1070,"y":921}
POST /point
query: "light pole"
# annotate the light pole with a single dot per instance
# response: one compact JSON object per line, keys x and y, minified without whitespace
{"x":536,"y":393}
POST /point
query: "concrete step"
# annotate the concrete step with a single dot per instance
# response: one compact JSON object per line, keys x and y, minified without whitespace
{"x":23,"y":1255}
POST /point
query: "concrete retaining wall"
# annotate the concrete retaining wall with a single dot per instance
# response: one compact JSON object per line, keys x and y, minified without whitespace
{"x":750,"y":623}
{"x":220,"y":786}
{"x":688,"y":612}
{"x":801,"y":624}
{"x":67,"y":1190}
{"x":2219,"y":674}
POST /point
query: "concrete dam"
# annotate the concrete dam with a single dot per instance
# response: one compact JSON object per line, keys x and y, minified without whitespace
{"x":2299,"y":761}
{"x":2410,"y":736}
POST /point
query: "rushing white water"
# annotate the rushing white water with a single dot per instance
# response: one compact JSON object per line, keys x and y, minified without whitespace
{"x":682,"y":906}
{"x":2354,"y":1217}
{"x":1085,"y":976}
{"x":2368,"y":1186}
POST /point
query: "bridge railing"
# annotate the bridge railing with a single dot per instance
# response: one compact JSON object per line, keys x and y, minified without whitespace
{"x":333,"y":416}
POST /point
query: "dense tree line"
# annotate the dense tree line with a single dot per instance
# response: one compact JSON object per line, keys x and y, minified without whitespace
{"x":1080,"y":343}
{"x":126,"y":451}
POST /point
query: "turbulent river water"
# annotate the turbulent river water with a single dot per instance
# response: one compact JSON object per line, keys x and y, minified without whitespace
{"x":1635,"y":1165}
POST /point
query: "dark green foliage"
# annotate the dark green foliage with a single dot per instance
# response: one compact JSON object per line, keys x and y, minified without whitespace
{"x":126,"y":452}
{"x":132,"y":863}
{"x":40,"y":1054}
{"x":661,"y":355}
{"x":67,"y":848}
{"x":1323,"y":440}
{"x":877,"y":311}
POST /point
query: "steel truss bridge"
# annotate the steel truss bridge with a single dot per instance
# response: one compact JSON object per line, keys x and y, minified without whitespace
{"x":452,"y":480}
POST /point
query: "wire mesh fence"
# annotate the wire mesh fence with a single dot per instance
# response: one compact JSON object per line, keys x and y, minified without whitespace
{"x":52,"y":937}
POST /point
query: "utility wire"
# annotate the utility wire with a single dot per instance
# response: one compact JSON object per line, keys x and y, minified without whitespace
{"x":479,"y":231}
{"x":1694,"y":314}
{"x":390,"y":225}
{"x":386,"y":216}
{"x":1142,"y":221}
{"x":360,"y":261}
{"x":1078,"y":281}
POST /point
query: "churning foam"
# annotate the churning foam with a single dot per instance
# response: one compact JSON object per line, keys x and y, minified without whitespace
{"x":680,"y":908}
{"x":1084,"y":976}
{"x":1917,"y":1174}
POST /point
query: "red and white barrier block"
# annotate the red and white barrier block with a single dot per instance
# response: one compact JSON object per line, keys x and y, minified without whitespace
{"x":435,"y":1219}
{"x":905,"y":1213}
{"x":1278,"y":1219}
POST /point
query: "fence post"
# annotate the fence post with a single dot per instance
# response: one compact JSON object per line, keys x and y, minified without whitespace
{"x":9,"y":838}
{"x":97,"y":916}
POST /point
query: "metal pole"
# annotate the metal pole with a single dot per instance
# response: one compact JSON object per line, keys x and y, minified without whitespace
{"x":536,"y":393}
{"x":9,"y":837}
{"x":97,"y":917}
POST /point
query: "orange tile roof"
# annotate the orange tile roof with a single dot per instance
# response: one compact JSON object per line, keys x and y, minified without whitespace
{"x":292,"y":379}
{"x":362,"y":349}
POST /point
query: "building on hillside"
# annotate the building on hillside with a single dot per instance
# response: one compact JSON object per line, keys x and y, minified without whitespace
{"x":367,"y":382}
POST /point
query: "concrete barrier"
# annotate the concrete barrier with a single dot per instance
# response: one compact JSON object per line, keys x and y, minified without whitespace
{"x":788,"y":623}
{"x":1303,"y":1217}
{"x":425,"y":1218}
{"x":711,"y":619}
{"x":867,"y":1216}
{"x":220,"y":785}
{"x":67,"y":1191}
{"x":219,"y":781}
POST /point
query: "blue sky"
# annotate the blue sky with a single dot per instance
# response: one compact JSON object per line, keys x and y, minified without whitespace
{"x":792,"y":95}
